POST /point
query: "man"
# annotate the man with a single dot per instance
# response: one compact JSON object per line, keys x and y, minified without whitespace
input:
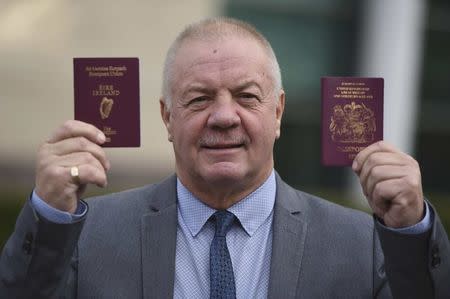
{"x":226,"y":225}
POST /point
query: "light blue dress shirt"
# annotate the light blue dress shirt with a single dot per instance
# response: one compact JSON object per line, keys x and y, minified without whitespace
{"x":250,"y":243}
{"x":55,"y":215}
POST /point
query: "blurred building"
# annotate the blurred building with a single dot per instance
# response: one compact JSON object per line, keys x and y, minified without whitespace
{"x":312,"y":38}
{"x":406,"y":42}
{"x":38,"y":40}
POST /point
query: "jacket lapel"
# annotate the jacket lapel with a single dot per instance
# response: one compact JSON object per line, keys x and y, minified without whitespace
{"x":158,"y":245}
{"x":158,"y":235}
{"x":289,"y":233}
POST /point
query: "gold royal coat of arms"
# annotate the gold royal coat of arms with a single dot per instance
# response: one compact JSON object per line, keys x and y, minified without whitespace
{"x":352,"y":123}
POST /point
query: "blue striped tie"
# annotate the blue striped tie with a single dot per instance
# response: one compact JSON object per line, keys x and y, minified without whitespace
{"x":221,"y":271}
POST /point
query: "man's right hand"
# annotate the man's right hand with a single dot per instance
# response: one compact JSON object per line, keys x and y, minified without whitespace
{"x":75,"y":143}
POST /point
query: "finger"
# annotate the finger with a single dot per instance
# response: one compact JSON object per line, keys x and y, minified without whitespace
{"x":382,"y":173}
{"x":76,"y":159}
{"x":80,"y":144}
{"x":378,"y":159}
{"x":380,"y":146}
{"x":60,"y":170}
{"x":75,"y":128}
{"x":88,"y":174}
{"x":380,"y":200}
{"x":385,"y":191}
{"x":402,"y":206}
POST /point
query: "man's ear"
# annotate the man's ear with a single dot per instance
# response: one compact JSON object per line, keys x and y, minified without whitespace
{"x":279,"y":113}
{"x":166,"y":118}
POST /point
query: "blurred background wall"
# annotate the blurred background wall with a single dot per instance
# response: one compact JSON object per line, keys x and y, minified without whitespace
{"x":405,"y":41}
{"x":38,"y":40}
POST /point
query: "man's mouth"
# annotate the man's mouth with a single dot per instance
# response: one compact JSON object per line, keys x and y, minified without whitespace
{"x":223,"y":141}
{"x":222,"y":146}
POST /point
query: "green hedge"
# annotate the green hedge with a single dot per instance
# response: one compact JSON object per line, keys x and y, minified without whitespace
{"x":10,"y":205}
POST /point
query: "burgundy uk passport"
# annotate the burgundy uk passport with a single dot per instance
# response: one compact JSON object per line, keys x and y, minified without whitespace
{"x":352,"y":117}
{"x":107,"y":96}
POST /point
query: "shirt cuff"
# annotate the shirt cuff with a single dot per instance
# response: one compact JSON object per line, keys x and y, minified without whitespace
{"x":418,"y":228}
{"x":55,"y":215}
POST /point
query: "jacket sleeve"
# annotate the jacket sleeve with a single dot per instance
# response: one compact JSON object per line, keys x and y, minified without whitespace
{"x":417,"y":266}
{"x":39,"y":259}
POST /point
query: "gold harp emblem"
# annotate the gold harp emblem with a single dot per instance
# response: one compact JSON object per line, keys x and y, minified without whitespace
{"x":352,"y":123}
{"x":106,"y":107}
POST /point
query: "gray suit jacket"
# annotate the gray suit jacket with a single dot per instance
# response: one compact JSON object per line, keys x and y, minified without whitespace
{"x":125,"y":248}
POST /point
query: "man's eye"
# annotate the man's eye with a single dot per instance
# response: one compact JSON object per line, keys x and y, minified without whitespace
{"x":198,"y":100}
{"x":248,"y":97}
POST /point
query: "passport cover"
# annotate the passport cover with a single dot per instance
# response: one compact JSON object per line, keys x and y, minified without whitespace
{"x":352,"y":117}
{"x":107,"y":95}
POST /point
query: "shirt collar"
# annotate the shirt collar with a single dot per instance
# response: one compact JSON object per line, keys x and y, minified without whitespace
{"x":251,"y":211}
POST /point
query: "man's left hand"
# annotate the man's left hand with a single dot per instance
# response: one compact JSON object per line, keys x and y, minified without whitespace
{"x":391,"y":181}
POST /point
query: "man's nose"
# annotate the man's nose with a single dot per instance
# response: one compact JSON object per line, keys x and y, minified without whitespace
{"x":224,"y":113}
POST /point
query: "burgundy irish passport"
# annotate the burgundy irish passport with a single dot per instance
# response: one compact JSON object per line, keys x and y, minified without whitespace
{"x":352,"y":117}
{"x":107,"y":96}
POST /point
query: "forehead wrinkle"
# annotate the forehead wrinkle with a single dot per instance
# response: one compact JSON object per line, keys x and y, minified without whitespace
{"x":213,"y":59}
{"x":207,"y":81}
{"x":219,"y":65}
{"x":224,"y":65}
{"x":247,"y":83}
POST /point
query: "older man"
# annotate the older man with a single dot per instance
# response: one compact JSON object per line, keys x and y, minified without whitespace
{"x":226,"y":225}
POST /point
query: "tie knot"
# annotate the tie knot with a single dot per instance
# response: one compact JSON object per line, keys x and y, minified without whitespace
{"x":224,"y":220}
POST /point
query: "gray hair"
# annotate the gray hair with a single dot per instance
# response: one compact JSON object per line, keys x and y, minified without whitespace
{"x":215,"y":28}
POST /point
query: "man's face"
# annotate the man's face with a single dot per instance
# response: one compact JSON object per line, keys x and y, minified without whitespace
{"x":225,"y":113}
